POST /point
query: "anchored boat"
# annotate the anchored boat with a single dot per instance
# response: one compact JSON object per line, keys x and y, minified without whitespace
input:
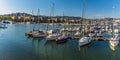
{"x":61,"y":39}
{"x":114,"y":40}
{"x":84,"y":41}
{"x":39,"y":34}
{"x":2,"y":25}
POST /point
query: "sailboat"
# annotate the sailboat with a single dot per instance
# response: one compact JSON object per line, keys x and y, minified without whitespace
{"x":114,"y":40}
{"x":30,"y":33}
{"x":62,"y":38}
{"x":85,"y":39}
{"x":40,"y":33}
{"x":36,"y":33}
{"x":54,"y":32}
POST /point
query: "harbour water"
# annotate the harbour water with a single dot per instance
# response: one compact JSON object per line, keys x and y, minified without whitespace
{"x":14,"y":45}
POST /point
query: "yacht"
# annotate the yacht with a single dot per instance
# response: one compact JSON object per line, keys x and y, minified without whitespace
{"x":52,"y":37}
{"x":53,"y":34}
{"x":84,"y":41}
{"x":61,"y":39}
{"x":114,"y":42}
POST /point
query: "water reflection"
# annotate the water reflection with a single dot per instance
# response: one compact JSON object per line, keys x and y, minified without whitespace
{"x":84,"y":47}
{"x":114,"y":55}
{"x":113,"y":48}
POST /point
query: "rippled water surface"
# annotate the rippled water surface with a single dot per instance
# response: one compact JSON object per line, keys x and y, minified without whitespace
{"x":14,"y":45}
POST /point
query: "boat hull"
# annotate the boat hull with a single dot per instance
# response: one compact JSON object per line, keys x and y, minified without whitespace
{"x":84,"y":41}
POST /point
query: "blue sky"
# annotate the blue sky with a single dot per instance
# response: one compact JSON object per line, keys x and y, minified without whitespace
{"x":95,"y":8}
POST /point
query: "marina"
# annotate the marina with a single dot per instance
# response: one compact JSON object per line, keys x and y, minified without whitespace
{"x":48,"y":50}
{"x":59,"y":30}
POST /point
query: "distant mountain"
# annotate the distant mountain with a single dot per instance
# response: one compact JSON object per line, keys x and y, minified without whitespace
{"x":17,"y":14}
{"x":59,"y":17}
{"x":26,"y":14}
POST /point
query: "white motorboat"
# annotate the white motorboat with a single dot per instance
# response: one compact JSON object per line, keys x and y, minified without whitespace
{"x":84,"y":41}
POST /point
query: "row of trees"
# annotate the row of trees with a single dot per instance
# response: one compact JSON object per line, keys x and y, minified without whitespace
{"x":5,"y":18}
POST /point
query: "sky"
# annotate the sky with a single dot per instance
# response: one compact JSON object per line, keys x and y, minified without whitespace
{"x":94,"y":8}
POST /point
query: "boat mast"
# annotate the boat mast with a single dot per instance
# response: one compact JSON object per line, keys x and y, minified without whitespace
{"x":33,"y":19}
{"x":38,"y":13}
{"x":24,"y":16}
{"x":63,"y":20}
{"x":113,"y":22}
{"x":83,"y":15}
{"x":52,"y":14}
{"x":32,"y":16}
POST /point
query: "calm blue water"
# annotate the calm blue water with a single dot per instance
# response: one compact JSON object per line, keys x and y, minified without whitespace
{"x":14,"y":45}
